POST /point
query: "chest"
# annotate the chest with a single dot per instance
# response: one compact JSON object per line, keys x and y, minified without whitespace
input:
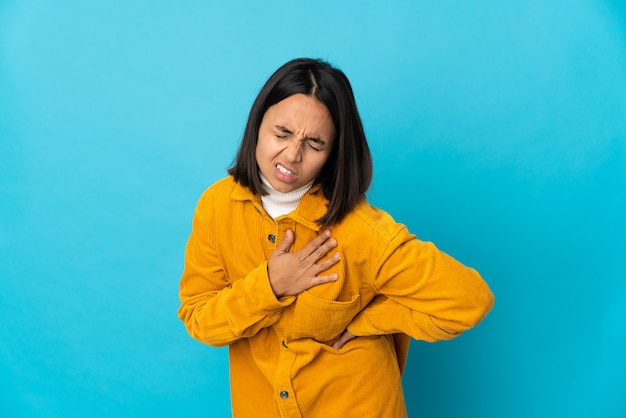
{"x":253,"y":236}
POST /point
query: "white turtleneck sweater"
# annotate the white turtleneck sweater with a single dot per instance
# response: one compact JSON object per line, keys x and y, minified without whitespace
{"x":278,"y":203}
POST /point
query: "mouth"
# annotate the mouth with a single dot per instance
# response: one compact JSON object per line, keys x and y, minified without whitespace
{"x":285,"y":171}
{"x":284,"y":175}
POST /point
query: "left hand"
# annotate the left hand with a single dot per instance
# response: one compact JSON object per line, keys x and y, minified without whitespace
{"x":343,"y":339}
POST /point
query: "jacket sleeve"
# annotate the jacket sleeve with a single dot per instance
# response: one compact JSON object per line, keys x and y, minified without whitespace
{"x":216,"y":310}
{"x":422,"y":292}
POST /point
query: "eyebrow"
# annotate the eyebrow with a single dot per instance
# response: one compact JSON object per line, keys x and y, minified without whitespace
{"x":310,"y":138}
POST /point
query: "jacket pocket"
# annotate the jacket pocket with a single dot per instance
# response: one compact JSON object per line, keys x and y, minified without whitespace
{"x":320,"y":319}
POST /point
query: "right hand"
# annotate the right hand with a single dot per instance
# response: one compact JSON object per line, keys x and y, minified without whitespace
{"x":291,"y":273}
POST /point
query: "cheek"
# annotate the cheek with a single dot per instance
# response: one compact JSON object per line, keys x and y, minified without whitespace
{"x":262,"y":150}
{"x":319,"y":163}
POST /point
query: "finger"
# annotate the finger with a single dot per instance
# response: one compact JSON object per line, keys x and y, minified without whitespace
{"x":324,"y":249}
{"x":315,"y":243}
{"x":343,"y":339}
{"x":326,"y":264}
{"x":321,"y":251}
{"x":286,"y":242}
{"x":327,"y":278}
{"x":338,"y":345}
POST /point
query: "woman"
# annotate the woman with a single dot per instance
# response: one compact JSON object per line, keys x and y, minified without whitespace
{"x":315,"y":291}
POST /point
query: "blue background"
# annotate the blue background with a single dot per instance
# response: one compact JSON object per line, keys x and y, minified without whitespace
{"x":498,"y":131}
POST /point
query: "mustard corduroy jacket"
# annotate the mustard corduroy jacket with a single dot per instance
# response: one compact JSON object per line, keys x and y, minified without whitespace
{"x":282,"y":364}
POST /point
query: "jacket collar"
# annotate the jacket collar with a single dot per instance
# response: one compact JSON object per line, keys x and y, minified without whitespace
{"x":312,"y":206}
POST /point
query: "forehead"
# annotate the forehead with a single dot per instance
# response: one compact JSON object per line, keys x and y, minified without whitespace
{"x":301,"y":113}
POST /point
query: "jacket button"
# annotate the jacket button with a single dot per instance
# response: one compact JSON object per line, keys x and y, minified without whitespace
{"x":271,"y":238}
{"x":284,"y":394}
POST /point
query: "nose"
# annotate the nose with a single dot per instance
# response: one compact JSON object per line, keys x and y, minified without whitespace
{"x":293,"y":151}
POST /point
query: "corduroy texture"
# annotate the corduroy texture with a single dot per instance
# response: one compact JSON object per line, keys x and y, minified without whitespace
{"x":282,"y":364}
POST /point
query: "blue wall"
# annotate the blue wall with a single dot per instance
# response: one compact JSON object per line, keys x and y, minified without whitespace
{"x":498,"y":131}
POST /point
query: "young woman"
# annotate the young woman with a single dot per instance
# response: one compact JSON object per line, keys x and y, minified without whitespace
{"x":315,"y":291}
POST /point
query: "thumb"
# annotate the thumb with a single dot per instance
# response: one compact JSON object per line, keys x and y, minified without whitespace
{"x":285,"y":244}
{"x":343,"y":339}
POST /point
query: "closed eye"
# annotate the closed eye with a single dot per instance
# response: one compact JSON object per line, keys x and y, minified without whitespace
{"x":316,"y":143}
{"x":282,"y":132}
{"x":314,"y":146}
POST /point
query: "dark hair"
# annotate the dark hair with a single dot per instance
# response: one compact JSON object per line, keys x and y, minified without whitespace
{"x":348,"y":171}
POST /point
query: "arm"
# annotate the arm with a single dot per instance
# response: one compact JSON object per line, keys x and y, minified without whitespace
{"x":423,"y":292}
{"x":215,"y":310}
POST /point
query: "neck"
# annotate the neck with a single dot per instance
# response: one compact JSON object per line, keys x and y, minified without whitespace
{"x":278,"y":203}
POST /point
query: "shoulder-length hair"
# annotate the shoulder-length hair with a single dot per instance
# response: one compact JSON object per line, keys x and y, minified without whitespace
{"x":347,"y":174}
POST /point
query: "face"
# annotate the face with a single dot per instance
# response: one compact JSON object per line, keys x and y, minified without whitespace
{"x":295,"y":139}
